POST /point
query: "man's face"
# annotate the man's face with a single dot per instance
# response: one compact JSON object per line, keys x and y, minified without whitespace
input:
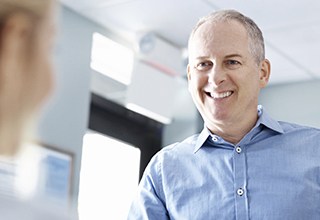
{"x":224,"y":78}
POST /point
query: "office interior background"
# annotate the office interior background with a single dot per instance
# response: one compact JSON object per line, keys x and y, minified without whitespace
{"x":121,"y":89}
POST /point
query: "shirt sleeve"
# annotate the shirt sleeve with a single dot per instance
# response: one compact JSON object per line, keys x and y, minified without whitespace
{"x":149,"y":202}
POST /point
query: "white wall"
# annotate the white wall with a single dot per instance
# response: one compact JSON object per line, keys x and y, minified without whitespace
{"x":185,"y":117}
{"x":298,"y":102}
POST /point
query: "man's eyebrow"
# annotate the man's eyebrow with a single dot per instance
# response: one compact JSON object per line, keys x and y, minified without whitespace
{"x":201,"y":57}
{"x":233,"y":55}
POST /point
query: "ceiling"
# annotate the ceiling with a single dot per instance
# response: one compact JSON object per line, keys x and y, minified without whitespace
{"x":291,"y":28}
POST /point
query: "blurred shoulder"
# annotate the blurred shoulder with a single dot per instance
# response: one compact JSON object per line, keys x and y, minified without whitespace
{"x":292,"y":127}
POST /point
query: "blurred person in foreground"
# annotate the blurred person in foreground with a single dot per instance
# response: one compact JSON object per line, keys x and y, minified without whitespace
{"x":244,"y":164}
{"x":26,"y":39}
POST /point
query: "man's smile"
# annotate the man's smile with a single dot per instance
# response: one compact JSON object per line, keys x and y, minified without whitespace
{"x":219,"y":95}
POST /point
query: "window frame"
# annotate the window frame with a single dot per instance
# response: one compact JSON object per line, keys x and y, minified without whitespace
{"x":114,"y":120}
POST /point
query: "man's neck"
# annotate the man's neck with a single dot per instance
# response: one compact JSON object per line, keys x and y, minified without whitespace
{"x":233,"y":132}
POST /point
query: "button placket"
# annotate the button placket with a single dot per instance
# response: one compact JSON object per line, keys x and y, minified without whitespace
{"x":240,"y":178}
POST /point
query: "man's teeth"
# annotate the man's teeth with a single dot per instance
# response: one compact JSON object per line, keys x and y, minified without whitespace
{"x":221,"y":95}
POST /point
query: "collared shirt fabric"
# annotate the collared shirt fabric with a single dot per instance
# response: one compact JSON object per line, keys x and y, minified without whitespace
{"x":273,"y":173}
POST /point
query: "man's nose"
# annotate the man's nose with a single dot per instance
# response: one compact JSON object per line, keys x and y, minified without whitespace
{"x":216,"y":75}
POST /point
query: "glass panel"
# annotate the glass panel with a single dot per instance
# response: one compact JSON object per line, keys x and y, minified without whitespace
{"x":108,"y":179}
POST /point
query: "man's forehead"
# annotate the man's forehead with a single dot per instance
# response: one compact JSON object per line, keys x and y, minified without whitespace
{"x":211,"y":28}
{"x":222,"y":32}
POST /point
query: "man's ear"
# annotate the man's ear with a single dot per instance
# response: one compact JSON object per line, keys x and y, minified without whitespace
{"x":189,"y":77}
{"x":265,"y":69}
{"x":188,"y":72}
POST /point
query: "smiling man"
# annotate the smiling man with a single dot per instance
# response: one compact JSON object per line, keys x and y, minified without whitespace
{"x":244,"y":164}
{"x":225,"y":76}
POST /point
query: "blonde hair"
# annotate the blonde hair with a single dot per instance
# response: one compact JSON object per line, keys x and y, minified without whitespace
{"x":17,"y":103}
{"x":37,"y":8}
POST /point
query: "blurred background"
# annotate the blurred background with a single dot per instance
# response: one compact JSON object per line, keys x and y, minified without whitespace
{"x":122,"y":92}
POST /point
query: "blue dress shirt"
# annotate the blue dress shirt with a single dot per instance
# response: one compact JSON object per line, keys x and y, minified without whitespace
{"x":273,"y":173}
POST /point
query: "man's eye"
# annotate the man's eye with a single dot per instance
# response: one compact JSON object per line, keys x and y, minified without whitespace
{"x":203,"y":65}
{"x":232,"y":64}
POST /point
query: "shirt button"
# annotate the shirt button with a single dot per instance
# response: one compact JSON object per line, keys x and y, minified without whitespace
{"x":240,"y":192}
{"x":238,"y":150}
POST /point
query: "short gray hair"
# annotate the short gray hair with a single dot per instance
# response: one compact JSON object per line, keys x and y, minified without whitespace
{"x":256,"y":41}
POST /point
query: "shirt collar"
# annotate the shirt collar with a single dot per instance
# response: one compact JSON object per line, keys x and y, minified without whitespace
{"x":264,"y":119}
{"x":267,"y":121}
{"x":203,"y":136}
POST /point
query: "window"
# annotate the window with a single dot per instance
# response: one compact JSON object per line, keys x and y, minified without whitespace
{"x":109,"y":177}
{"x":111,"y":59}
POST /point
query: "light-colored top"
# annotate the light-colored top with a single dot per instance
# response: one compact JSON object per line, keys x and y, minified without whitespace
{"x":15,"y":209}
{"x":273,"y":173}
